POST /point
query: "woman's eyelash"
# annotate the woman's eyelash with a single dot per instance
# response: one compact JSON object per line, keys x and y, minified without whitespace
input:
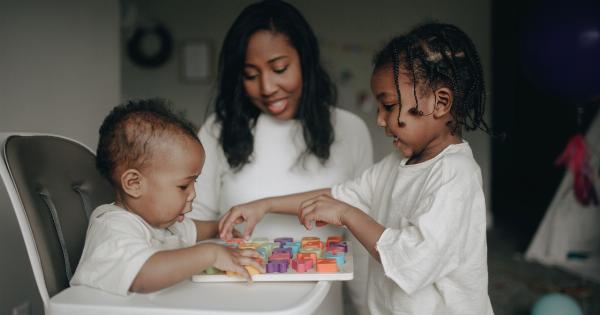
{"x":254,"y":76}
{"x":280,"y":70}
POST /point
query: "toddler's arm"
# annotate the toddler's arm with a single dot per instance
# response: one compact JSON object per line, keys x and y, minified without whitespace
{"x":166,"y":268}
{"x":210,"y":229}
{"x":206,"y":229}
{"x":252,"y":212}
{"x":325,"y":208}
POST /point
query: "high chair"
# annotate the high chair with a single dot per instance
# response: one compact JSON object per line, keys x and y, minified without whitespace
{"x":52,"y":186}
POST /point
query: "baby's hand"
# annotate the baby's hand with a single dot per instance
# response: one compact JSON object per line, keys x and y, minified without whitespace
{"x":322,"y":209}
{"x":234,"y":260}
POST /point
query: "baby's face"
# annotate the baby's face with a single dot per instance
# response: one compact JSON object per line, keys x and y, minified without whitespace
{"x":169,"y":182}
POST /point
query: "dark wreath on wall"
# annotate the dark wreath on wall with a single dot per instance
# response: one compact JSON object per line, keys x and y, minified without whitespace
{"x":139,"y":56}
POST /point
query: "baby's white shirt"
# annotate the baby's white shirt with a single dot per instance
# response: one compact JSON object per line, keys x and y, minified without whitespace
{"x":119,"y":242}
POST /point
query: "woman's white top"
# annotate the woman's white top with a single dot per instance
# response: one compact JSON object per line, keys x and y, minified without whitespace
{"x":276,"y":168}
{"x":433,"y":250}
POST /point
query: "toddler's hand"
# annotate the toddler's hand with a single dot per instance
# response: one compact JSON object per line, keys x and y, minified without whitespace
{"x":236,"y":233}
{"x":322,"y":209}
{"x":235,"y":259}
{"x":250,"y":213}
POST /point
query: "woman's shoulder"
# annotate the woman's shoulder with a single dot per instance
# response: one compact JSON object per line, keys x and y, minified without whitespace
{"x":347,"y":120}
{"x":344,"y":115}
{"x":210,"y":121}
{"x":210,"y":127}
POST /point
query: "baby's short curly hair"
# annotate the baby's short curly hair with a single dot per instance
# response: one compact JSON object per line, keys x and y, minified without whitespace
{"x":131,"y":131}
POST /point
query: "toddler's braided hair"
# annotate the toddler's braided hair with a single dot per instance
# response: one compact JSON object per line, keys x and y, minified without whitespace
{"x":437,"y":55}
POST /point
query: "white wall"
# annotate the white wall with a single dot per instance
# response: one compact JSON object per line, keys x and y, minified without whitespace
{"x":59,"y":66}
{"x":349,"y":32}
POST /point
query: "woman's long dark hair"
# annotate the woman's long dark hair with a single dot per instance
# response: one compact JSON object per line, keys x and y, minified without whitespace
{"x":235,"y":112}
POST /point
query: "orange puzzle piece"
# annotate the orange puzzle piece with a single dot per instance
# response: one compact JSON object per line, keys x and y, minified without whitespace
{"x":327,"y":265}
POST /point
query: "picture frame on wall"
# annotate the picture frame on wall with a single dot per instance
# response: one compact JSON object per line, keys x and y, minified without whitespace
{"x":196,"y":61}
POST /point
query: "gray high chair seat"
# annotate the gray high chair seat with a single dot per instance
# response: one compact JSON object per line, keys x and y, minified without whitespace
{"x":53,"y":186}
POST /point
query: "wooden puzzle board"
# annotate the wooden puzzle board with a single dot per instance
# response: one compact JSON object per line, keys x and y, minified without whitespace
{"x":345,"y":273}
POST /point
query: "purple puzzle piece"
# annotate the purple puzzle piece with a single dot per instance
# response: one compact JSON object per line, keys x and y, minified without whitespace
{"x":283,"y":240}
{"x":337,"y":247}
{"x":280,"y":266}
{"x":282,"y":250}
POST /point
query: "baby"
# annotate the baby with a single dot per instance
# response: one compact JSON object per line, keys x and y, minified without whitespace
{"x":143,"y":242}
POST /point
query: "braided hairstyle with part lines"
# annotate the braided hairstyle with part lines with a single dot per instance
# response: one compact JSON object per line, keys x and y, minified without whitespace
{"x":440,"y":55}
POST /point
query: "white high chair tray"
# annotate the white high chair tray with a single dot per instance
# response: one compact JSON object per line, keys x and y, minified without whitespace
{"x":345,"y":273}
{"x":189,"y":298}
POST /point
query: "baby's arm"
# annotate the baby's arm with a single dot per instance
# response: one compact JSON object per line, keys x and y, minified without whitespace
{"x":252,"y":212}
{"x":168,"y":267}
{"x":327,"y":209}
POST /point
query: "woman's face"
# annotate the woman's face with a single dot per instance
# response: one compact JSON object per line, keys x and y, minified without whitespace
{"x":272,"y":74}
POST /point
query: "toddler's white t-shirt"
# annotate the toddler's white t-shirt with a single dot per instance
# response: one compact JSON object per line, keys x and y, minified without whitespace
{"x":433,"y":251}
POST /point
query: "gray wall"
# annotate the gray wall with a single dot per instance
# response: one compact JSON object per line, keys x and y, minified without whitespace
{"x":59,"y":73}
{"x":60,"y":66}
{"x":349,"y":33}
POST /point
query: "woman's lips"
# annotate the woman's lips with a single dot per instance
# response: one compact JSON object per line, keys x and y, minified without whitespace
{"x":277,"y":107}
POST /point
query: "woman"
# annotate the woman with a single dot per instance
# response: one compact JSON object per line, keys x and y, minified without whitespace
{"x":275,"y":129}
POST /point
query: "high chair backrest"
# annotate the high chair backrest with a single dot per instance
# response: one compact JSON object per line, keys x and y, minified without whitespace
{"x":53,"y":186}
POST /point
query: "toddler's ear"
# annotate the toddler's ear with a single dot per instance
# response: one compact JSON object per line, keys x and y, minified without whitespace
{"x":131,"y":182}
{"x":443,"y":102}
